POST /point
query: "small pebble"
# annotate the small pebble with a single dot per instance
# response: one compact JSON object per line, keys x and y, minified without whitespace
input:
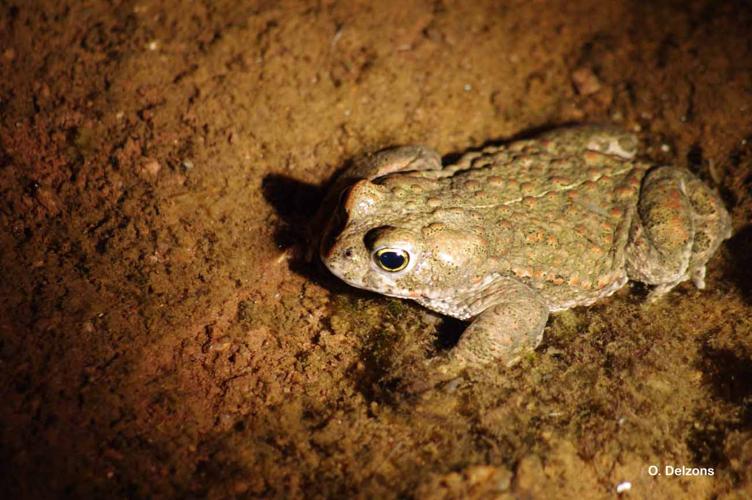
{"x":622,"y":487}
{"x":585,"y":82}
{"x":152,"y":167}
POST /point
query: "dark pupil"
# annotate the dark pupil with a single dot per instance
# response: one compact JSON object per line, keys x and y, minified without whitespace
{"x":391,"y":260}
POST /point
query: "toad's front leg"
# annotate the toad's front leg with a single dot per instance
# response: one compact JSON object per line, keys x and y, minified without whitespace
{"x":503,"y":332}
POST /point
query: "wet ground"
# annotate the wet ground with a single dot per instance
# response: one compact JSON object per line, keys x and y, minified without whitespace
{"x":161,"y":334}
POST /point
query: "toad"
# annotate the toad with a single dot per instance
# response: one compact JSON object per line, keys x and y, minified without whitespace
{"x":509,"y":234}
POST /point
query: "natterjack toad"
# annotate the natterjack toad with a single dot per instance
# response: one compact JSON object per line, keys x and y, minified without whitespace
{"x":506,"y":235}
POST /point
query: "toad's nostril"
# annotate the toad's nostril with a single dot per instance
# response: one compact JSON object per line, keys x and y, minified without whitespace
{"x":348,"y":253}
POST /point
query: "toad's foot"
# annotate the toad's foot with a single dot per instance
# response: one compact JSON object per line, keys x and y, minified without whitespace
{"x":440,"y":373}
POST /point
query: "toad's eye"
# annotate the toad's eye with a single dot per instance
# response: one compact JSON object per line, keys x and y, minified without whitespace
{"x":391,"y":259}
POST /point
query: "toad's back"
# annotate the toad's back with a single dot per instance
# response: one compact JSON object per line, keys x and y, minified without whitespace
{"x":557,"y":219}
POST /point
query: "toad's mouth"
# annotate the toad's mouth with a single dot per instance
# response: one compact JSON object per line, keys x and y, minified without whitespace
{"x":362,"y":275}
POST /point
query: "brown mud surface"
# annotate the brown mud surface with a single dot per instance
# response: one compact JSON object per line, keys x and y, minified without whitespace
{"x":160,"y":334}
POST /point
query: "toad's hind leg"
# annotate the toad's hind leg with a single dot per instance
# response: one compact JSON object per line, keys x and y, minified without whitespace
{"x":679,"y":224}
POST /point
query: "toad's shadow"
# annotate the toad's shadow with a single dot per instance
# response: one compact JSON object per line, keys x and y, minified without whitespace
{"x":740,"y":271}
{"x":295,"y":202}
{"x":302,"y":210}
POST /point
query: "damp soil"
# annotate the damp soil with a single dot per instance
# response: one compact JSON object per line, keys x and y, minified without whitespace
{"x":162,"y":334}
